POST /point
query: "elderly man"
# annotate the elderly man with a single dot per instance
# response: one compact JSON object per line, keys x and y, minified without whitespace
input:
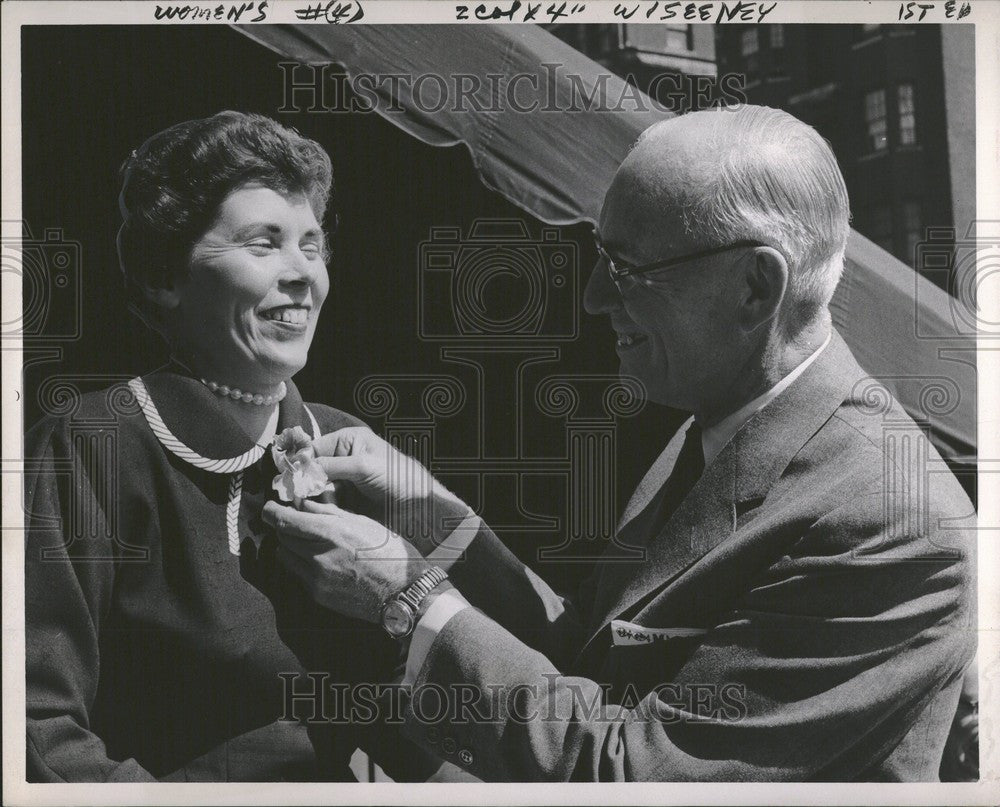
{"x":805,"y":607}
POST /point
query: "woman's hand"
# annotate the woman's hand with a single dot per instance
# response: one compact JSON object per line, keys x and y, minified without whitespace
{"x":414,"y":503}
{"x":347,"y":562}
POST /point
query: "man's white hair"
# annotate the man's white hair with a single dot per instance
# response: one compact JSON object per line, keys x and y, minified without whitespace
{"x":773,"y":179}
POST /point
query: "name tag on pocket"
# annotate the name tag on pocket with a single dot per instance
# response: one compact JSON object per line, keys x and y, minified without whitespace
{"x":628,"y":633}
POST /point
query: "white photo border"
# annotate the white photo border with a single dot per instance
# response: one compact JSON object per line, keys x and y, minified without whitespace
{"x":985,"y":16}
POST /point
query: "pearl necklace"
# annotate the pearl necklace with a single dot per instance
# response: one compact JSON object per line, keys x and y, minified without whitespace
{"x":247,"y":397}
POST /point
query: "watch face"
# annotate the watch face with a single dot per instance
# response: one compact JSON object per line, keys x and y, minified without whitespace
{"x":397,"y":619}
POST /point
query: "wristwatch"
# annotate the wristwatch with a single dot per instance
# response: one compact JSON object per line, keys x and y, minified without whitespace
{"x":399,"y":614}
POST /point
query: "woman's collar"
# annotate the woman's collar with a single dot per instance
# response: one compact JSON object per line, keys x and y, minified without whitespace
{"x":196,"y":424}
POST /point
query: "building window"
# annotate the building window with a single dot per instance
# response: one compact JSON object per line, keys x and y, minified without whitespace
{"x":881,"y":227}
{"x":749,"y":42}
{"x":907,"y":114}
{"x":777,"y":37}
{"x":912,"y":229}
{"x":875,"y":120}
{"x":662,"y":39}
{"x":678,"y":37}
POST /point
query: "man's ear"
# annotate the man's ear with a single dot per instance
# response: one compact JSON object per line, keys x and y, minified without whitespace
{"x":765,"y":283}
{"x":158,"y":286}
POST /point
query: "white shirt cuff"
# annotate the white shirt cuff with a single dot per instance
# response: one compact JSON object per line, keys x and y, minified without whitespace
{"x":451,"y":548}
{"x":445,"y":606}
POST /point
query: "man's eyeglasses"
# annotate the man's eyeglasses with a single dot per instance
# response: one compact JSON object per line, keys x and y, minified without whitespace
{"x":625,"y":277}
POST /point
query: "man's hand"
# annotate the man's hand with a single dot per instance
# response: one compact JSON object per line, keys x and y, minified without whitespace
{"x":348,"y":563}
{"x":414,"y":504}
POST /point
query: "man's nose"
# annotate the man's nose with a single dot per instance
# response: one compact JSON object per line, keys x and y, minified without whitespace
{"x":601,"y":295}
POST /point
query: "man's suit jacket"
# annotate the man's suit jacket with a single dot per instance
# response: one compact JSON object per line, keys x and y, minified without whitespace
{"x":827,"y":556}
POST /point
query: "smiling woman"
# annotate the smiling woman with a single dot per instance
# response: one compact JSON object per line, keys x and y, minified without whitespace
{"x":221,"y":245}
{"x":159,"y":639}
{"x":256,"y":286}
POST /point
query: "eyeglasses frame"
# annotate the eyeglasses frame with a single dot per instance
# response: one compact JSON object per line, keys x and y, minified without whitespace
{"x":620,"y":270}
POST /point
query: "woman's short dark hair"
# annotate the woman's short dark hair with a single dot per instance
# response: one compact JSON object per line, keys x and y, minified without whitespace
{"x":173,"y":184}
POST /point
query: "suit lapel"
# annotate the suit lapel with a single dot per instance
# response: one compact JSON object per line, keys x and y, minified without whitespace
{"x":744,"y":470}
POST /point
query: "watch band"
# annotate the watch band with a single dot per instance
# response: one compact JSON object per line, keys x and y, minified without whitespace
{"x":414,"y":593}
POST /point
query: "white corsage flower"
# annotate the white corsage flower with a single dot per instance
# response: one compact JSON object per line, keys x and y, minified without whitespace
{"x":300,"y":476}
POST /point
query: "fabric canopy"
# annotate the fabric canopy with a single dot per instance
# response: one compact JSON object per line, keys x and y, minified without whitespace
{"x":547,"y":127}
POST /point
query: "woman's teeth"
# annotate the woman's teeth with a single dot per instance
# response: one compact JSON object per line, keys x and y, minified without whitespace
{"x":293,"y":316}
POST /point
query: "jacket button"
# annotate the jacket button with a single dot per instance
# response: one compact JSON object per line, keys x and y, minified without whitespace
{"x":433,"y":735}
{"x":465,"y":756}
{"x":449,"y":745}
